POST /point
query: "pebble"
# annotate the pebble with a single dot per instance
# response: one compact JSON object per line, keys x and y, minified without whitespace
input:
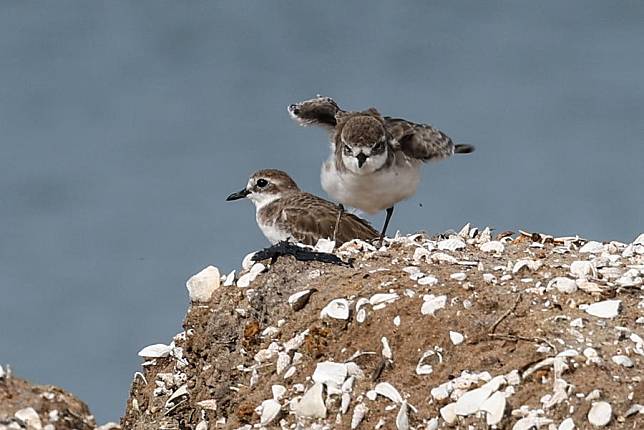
{"x":30,"y":417}
{"x":452,"y":244}
{"x":459,"y":276}
{"x":456,"y":337}
{"x":203,"y":284}
{"x":493,"y":246}
{"x":495,"y":407}
{"x":270,"y":409}
{"x":567,"y":424}
{"x":432,"y":303}
{"x":330,"y":373}
{"x":338,"y":309}
{"x":622,"y":360}
{"x":312,"y":405}
{"x":600,"y":414}
{"x":583,"y":269}
{"x":604,"y":309}
{"x":298,"y":300}
{"x":591,"y":247}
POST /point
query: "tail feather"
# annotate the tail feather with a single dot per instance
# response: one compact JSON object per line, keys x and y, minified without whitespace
{"x":463,"y":149}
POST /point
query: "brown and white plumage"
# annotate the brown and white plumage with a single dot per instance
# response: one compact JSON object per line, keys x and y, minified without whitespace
{"x":375,"y":160}
{"x":284,"y":212}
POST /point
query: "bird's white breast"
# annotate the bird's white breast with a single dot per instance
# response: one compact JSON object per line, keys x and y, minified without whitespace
{"x":272,"y":232}
{"x":373,"y":192}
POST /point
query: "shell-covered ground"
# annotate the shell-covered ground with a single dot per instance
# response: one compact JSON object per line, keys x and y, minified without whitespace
{"x":470,"y":330}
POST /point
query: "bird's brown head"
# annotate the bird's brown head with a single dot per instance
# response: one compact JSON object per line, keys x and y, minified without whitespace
{"x":265,"y":186}
{"x":362,"y":138}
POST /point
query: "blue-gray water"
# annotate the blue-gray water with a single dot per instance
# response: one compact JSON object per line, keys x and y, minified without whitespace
{"x":125,"y":124}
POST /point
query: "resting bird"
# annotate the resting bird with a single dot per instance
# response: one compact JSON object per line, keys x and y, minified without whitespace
{"x":286,"y":213}
{"x":375,"y":160}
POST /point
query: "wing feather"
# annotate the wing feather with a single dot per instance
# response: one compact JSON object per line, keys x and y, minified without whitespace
{"x":420,"y":141}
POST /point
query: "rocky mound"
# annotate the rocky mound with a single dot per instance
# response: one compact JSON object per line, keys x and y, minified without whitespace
{"x":35,"y":407}
{"x":524,"y":331}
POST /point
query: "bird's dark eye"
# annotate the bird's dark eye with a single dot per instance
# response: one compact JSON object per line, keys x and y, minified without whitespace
{"x":348,"y":150}
{"x":261,"y":183}
{"x":378,"y":147}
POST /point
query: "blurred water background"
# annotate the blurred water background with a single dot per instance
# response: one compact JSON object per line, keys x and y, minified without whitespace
{"x":124,"y":125}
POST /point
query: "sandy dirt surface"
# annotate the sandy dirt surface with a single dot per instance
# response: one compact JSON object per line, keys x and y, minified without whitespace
{"x":510,"y":328}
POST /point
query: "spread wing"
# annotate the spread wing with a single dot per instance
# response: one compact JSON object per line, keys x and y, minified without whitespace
{"x":422,"y":141}
{"x":320,"y":111}
{"x":311,"y":218}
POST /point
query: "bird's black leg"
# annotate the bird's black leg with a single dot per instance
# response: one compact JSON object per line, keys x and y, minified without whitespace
{"x":337,"y":221}
{"x":390,"y":212}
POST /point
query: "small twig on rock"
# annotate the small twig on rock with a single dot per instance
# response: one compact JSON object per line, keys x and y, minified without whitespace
{"x":505,"y":315}
{"x":515,"y":338}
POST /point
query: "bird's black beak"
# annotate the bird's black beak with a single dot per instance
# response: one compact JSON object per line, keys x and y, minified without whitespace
{"x":361,"y":159}
{"x":238,"y":195}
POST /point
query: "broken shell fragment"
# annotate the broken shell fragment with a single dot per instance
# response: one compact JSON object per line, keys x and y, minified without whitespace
{"x":358,"y":415}
{"x":432,"y":303}
{"x":495,"y":407}
{"x":387,"y":390}
{"x":493,"y":246}
{"x":604,"y":309}
{"x":337,"y":308}
{"x":452,"y":244}
{"x":270,"y":409}
{"x":158,"y":350}
{"x":622,"y":360}
{"x":330,"y":373}
{"x":312,"y":405}
{"x":456,"y":337}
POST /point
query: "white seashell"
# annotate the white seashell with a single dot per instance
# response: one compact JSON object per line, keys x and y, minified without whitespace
{"x":290,"y":372}
{"x":209,"y":405}
{"x":387,"y":390}
{"x":402,"y":420}
{"x":203,"y":284}
{"x":158,"y":350}
{"x":372,"y":395}
{"x":452,"y":244}
{"x":376,"y":299}
{"x":420,"y":254}
{"x":324,"y":245}
{"x":583,"y":269}
{"x":465,"y":231}
{"x":248,"y":262}
{"x":230,"y":279}
{"x":361,"y":315}
{"x":397,"y":320}
{"x":283,"y":361}
{"x":622,"y":360}
{"x":441,"y":392}
{"x":600,"y":414}
{"x":459,"y":276}
{"x":563,"y":285}
{"x":432,"y":303}
{"x":591,"y":247}
{"x":495,"y":407}
{"x":270,"y":409}
{"x":427,"y":280}
{"x":181,"y":391}
{"x":295,"y":342}
{"x":531,"y":265}
{"x":448,"y":413}
{"x":470,"y":402}
{"x":358,"y":415}
{"x":354,"y":370}
{"x":489,"y":278}
{"x":577,"y":323}
{"x":345,"y":403}
{"x":337,"y":308}
{"x":330,"y":373}
{"x":604,"y":309}
{"x":441,"y":257}
{"x":30,"y":417}
{"x":203,"y":425}
{"x":456,"y":337}
{"x":432,"y":424}
{"x":567,"y":424}
{"x":245,"y":280}
{"x":312,"y":405}
{"x":278,"y":392}
{"x":493,"y":246}
{"x":386,"y":349}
